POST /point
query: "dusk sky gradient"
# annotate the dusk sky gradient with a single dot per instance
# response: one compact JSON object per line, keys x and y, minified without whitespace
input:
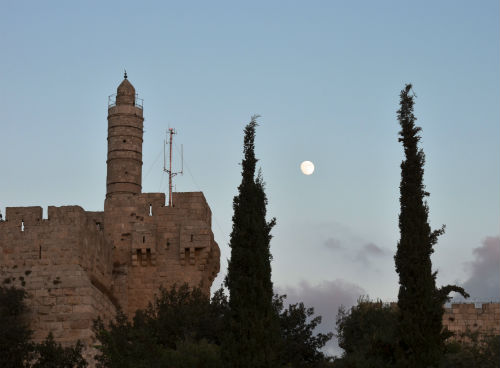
{"x":325,"y":77}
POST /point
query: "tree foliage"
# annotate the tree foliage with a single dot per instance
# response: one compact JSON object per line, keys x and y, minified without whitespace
{"x":181,"y":328}
{"x":472,"y":350}
{"x":50,"y":354}
{"x":301,"y":346}
{"x":182,"y":314}
{"x":184,"y":328}
{"x":368,"y":334}
{"x":419,"y":302}
{"x":253,"y":338}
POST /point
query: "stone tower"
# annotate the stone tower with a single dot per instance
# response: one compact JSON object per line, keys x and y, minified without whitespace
{"x":152,"y":244}
{"x":78,"y":265}
{"x":125,"y":127}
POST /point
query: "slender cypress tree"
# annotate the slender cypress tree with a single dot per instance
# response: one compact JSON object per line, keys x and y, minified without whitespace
{"x":420,"y":303}
{"x":253,"y":338}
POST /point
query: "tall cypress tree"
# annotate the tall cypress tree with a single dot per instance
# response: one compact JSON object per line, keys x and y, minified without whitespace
{"x":253,"y":339}
{"x":420,"y":303}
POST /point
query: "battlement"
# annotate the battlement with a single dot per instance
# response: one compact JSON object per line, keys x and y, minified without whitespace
{"x":69,"y":235}
{"x":461,"y":317}
{"x":150,"y":207}
{"x":63,"y":213}
{"x":27,"y":215}
{"x":29,"y":219}
{"x":33,"y":215}
{"x":474,"y":308}
{"x":195,"y":204}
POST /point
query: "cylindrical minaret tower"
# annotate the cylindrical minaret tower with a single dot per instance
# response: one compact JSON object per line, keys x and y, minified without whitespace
{"x":125,"y":127}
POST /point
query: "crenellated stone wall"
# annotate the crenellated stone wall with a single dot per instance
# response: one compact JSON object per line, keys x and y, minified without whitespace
{"x":159,"y":246}
{"x":63,"y":264}
{"x":470,"y":317}
{"x":463,"y":317}
{"x":77,"y":265}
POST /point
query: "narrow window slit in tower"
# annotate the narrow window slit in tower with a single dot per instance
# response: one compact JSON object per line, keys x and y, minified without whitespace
{"x":40,"y":252}
{"x":22,"y":225}
{"x":143,"y":239}
{"x":150,"y":209}
{"x":191,"y":237}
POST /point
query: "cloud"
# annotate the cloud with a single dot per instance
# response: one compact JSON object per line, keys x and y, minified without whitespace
{"x":333,"y":243}
{"x":326,"y":298}
{"x":373,"y":249}
{"x":483,"y":283}
{"x":368,"y":251}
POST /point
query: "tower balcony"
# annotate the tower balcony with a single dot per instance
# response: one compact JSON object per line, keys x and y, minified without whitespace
{"x":138,"y":102}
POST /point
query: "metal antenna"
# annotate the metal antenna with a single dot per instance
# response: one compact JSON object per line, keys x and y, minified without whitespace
{"x":171,"y":174}
{"x":182,"y":159}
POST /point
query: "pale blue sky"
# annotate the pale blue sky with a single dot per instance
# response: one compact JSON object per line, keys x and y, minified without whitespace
{"x":324,"y":75}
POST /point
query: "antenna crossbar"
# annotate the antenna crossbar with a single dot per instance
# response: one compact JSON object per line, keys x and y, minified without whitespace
{"x":171,"y":174}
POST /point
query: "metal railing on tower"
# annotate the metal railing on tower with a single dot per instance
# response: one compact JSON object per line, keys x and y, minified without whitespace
{"x":139,"y":102}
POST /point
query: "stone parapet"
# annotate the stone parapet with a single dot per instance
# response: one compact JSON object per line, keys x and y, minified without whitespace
{"x":463,"y":317}
{"x":60,"y":262}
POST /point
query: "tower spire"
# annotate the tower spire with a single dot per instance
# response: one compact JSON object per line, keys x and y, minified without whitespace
{"x":125,"y":73}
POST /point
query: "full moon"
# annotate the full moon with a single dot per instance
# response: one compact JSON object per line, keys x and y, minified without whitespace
{"x":307,"y":167}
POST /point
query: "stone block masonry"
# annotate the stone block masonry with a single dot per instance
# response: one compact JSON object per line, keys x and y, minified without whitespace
{"x":157,"y":245}
{"x":463,"y":317}
{"x":78,"y":265}
{"x":62,"y":262}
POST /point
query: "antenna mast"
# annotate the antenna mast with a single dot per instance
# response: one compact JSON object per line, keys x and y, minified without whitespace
{"x":171,"y":174}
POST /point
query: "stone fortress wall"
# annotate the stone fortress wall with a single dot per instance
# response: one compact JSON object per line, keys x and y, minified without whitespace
{"x":462,"y":317}
{"x":459,"y":318}
{"x":77,"y":265}
{"x":64,"y":265}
